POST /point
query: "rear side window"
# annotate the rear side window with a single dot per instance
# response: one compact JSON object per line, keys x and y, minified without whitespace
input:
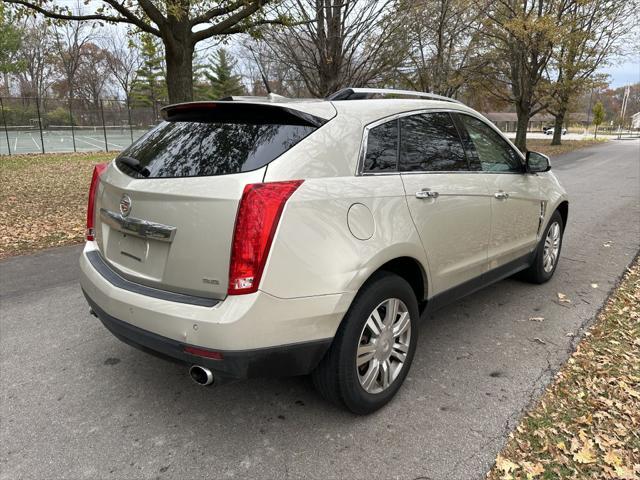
{"x":430,"y":142}
{"x":382,"y":148}
{"x":196,"y":149}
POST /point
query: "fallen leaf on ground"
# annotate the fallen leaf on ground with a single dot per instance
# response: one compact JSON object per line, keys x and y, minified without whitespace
{"x":586,"y":454}
{"x":505,"y":466}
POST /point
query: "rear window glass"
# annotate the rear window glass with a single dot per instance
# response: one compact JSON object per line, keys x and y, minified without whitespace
{"x":195,"y":149}
{"x":382,"y":148}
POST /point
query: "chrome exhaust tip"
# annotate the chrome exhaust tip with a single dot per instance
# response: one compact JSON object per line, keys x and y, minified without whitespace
{"x":201,"y":375}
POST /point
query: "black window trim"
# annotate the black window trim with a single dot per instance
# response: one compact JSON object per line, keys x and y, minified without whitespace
{"x":453,"y":113}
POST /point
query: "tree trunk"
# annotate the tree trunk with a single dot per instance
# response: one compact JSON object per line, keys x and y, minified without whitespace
{"x":557,"y":126}
{"x":179,"y":58}
{"x":560,"y":116}
{"x":524,"y":114}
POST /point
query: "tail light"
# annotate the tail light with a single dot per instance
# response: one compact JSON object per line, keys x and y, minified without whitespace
{"x":256,"y":223}
{"x":91,"y":202}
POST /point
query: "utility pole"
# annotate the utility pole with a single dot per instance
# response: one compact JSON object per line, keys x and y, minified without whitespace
{"x":623,"y":109}
{"x":589,"y":111}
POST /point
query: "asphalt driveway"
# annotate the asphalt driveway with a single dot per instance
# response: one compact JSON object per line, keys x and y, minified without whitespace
{"x":77,"y":403}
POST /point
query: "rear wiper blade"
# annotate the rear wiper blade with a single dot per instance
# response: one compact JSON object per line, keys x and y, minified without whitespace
{"x":134,"y":164}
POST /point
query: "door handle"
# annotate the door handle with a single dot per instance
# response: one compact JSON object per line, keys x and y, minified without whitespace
{"x":501,"y":195}
{"x":426,"y":193}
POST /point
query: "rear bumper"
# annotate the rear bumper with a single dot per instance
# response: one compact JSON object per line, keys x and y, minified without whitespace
{"x":258,"y":334}
{"x":284,"y":360}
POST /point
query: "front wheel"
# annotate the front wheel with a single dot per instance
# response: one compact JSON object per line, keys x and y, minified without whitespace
{"x":373,"y":348}
{"x":547,"y":253}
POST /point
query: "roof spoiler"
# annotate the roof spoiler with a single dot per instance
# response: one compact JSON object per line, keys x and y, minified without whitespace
{"x":241,"y":112}
{"x":368,"y":93}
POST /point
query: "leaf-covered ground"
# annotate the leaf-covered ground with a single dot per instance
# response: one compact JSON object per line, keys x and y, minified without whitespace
{"x":544,"y":145}
{"x":43,"y":200}
{"x":44,"y":197}
{"x":587,"y":423}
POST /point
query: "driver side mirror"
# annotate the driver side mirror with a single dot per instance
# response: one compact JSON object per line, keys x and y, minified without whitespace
{"x":537,"y":162}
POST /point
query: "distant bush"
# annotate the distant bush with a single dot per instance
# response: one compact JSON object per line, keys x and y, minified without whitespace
{"x":58,"y":116}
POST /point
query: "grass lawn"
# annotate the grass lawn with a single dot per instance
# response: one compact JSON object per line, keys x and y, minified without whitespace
{"x":587,"y":423}
{"x":544,"y":145}
{"x":44,"y":200}
{"x":44,"y":197}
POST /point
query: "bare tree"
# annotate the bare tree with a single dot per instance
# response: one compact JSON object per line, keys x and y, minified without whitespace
{"x":69,"y":42}
{"x":338,"y":43}
{"x":36,"y":55}
{"x":93,"y":75}
{"x":258,"y":63}
{"x":181,"y":24}
{"x":443,"y":43}
{"x":123,"y":61}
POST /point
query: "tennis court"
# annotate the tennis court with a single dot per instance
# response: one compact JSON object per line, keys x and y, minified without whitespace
{"x":27,"y":139}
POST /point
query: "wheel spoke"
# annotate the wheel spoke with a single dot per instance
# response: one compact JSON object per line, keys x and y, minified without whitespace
{"x":375,"y":323}
{"x":371,"y":376}
{"x":402,"y":324}
{"x":385,"y":376}
{"x":392,"y":312}
{"x":400,"y":352}
{"x":365,"y":353}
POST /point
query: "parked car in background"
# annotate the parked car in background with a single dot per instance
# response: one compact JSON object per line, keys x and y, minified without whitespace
{"x":270,"y":236}
{"x":550,"y":130}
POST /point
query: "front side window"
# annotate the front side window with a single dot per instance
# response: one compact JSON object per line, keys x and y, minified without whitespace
{"x":494,"y":153}
{"x":382,"y":148}
{"x":430,"y":142}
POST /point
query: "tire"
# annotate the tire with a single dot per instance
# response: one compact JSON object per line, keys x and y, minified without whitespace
{"x":539,"y":271}
{"x":365,"y":389}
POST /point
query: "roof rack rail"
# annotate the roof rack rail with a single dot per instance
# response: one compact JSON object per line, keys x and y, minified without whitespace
{"x":365,"y":93}
{"x":271,"y":97}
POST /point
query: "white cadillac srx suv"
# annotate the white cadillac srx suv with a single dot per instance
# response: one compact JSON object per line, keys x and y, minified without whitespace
{"x":263,"y":236}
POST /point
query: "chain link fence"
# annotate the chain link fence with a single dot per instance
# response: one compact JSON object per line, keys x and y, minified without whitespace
{"x":47,"y":125}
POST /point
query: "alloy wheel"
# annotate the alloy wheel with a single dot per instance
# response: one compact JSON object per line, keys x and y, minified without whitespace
{"x":383,"y":345}
{"x":551,"y":247}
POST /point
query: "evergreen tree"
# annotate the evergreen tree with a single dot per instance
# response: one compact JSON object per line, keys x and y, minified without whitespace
{"x":223,"y":82}
{"x":150,"y":87}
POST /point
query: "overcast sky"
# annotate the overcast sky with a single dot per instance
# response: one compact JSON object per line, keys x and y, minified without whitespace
{"x":625,"y":73}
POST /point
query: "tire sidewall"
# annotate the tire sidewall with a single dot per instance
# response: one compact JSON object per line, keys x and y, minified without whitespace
{"x":381,"y":288}
{"x":542,"y":274}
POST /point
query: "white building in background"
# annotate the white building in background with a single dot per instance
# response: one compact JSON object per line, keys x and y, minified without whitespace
{"x":635,"y":121}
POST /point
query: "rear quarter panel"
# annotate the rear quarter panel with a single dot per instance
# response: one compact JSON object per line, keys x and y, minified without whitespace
{"x":314,"y":251}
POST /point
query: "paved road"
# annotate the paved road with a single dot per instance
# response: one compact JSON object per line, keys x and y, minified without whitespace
{"x":77,"y":403}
